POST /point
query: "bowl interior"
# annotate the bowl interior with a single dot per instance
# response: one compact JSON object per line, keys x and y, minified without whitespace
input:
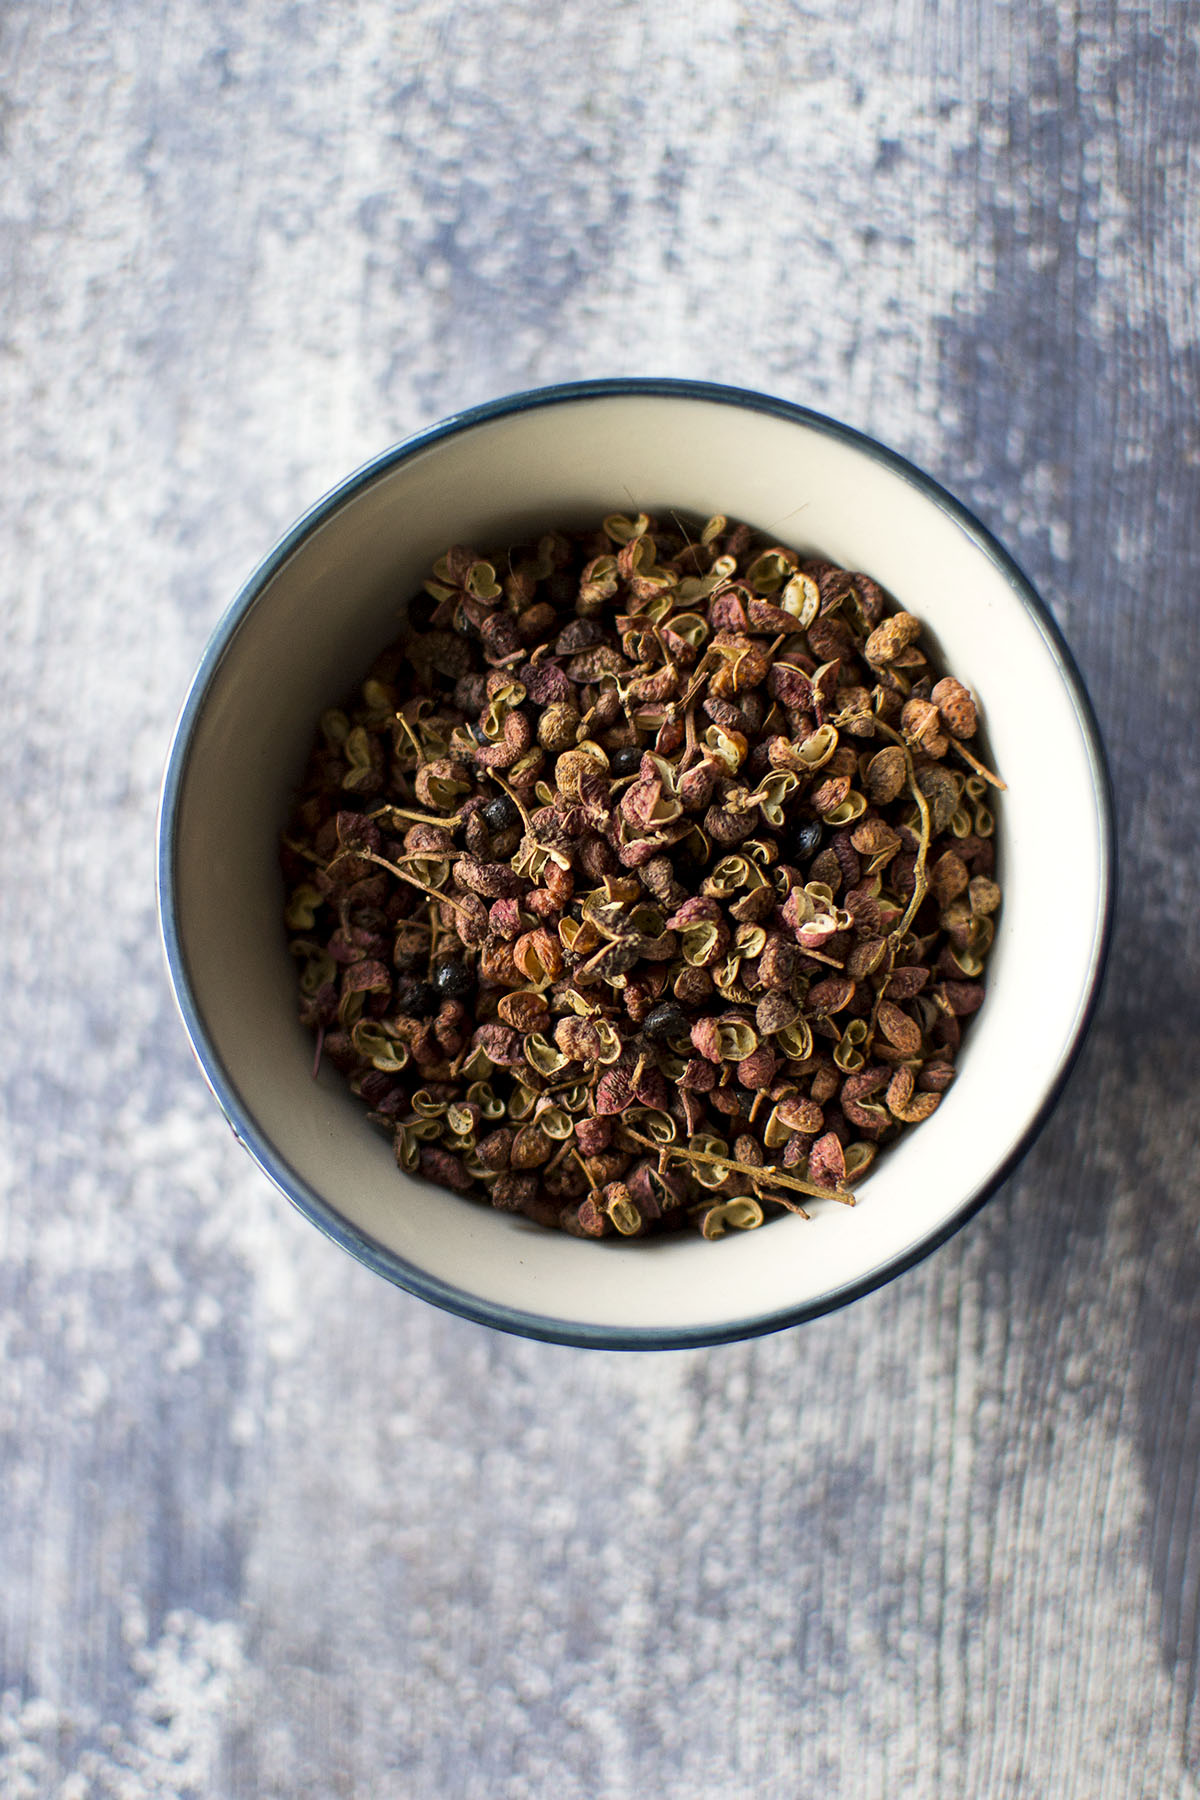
{"x":305,"y":631}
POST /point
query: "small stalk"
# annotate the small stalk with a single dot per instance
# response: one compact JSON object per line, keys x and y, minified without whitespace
{"x":401,"y":874}
{"x":980,"y":768}
{"x":413,"y":739}
{"x":920,"y":885}
{"x":416,"y":818}
{"x":768,"y":1171}
{"x":517,"y":802}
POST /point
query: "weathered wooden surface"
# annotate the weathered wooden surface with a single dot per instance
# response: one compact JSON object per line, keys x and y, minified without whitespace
{"x":272,"y":1528}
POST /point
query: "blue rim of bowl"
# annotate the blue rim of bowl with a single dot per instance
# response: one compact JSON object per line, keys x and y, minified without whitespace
{"x":360,"y":1245}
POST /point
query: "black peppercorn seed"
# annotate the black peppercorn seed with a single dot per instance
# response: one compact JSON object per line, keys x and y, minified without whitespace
{"x":665,"y":1021}
{"x":808,"y":838}
{"x":453,"y":980}
{"x":500,"y":813}
{"x":626,"y":761}
{"x":425,"y":1000}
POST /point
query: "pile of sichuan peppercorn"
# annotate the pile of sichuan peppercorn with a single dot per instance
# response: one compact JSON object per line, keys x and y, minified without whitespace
{"x":647,"y":883}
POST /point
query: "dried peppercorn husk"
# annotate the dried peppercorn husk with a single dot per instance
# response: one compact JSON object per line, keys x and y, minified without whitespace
{"x":648,"y":883}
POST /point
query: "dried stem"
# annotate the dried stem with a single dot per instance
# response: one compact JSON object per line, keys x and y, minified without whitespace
{"x":794,"y":1206}
{"x":820,"y":956}
{"x":690,"y":746}
{"x":526,"y":820}
{"x":593,"y":1190}
{"x":415,"y":818}
{"x":980,"y":768}
{"x":413,"y":739}
{"x":302,"y":850}
{"x":699,"y":679}
{"x":686,"y":535}
{"x":558,"y":1156}
{"x":401,"y":874}
{"x":768,"y":1171}
{"x":920,"y":884}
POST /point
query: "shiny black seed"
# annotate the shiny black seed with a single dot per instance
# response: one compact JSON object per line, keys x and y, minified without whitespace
{"x":500,"y":813}
{"x":664,"y":1022}
{"x":416,"y":999}
{"x":626,"y":761}
{"x":453,"y":980}
{"x":808,"y":839}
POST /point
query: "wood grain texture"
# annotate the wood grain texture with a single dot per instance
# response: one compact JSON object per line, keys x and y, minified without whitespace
{"x":271,"y":1528}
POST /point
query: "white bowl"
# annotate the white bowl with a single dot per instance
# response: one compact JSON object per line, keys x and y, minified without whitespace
{"x":303,"y":631}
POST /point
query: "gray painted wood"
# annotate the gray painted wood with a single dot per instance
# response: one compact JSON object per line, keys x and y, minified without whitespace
{"x":272,"y":1528}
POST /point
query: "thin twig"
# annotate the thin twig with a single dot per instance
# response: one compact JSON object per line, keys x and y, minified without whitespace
{"x":499,"y":779}
{"x":980,"y":768}
{"x":301,"y":850}
{"x":699,"y":679}
{"x":792,"y":1206}
{"x":593,"y":1190}
{"x":416,"y":818}
{"x":690,"y":745}
{"x":402,"y":875}
{"x":920,"y":885}
{"x":413,"y":739}
{"x":687,"y":540}
{"x":558,"y":1156}
{"x":820,"y":956}
{"x":768,"y":1171}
